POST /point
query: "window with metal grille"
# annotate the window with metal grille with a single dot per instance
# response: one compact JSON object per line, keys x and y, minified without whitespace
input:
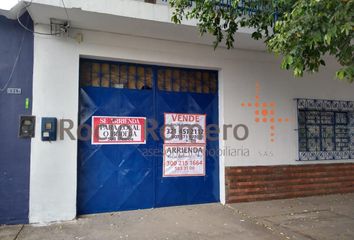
{"x":95,"y":73}
{"x":115,"y":75}
{"x":326,"y":129}
{"x":183,"y":80}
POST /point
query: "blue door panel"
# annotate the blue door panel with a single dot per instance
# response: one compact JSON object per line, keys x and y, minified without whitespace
{"x":114,"y":177}
{"x":16,"y":71}
{"x":188,"y":190}
{"x":124,"y":177}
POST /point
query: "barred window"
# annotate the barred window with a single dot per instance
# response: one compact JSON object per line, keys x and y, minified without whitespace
{"x":181,"y":80}
{"x":325,"y":129}
{"x":141,"y":77}
{"x":115,"y":75}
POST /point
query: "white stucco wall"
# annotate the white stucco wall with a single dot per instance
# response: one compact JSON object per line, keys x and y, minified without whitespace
{"x":55,"y":94}
{"x":53,"y":165}
{"x":282,"y":88}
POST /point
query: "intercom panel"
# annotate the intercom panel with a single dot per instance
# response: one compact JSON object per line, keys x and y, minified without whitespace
{"x":49,"y":129}
{"x":27,"y":126}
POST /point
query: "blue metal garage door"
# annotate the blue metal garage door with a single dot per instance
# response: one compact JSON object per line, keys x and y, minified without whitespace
{"x":125,"y":177}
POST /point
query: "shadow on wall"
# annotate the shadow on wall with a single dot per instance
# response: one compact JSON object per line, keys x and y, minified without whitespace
{"x":16,"y":67}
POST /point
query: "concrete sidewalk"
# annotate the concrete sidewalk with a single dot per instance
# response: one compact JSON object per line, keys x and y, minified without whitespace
{"x":327,"y":217}
{"x":324,"y":217}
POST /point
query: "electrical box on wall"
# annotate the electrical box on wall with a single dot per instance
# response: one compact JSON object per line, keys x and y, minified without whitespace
{"x":49,"y":129}
{"x":27,"y":126}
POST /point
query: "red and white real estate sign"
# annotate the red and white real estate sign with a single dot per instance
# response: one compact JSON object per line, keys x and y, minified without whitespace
{"x":181,"y":160}
{"x":118,"y":130}
{"x":185,"y":128}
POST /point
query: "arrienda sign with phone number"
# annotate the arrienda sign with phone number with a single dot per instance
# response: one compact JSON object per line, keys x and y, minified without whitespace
{"x":184,"y":145}
{"x":184,"y":160}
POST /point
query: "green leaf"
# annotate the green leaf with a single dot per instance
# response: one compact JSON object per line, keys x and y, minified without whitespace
{"x":340,"y":74}
{"x":327,"y":39}
{"x":256,"y":35}
{"x":305,"y":30}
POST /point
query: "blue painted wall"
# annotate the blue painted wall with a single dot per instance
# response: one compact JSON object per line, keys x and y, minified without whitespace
{"x":14,"y":152}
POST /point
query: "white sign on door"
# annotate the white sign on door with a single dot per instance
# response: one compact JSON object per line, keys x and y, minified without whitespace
{"x":184,"y":160}
{"x":185,"y":128}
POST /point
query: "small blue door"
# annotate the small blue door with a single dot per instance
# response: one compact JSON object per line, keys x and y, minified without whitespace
{"x":126,"y":177}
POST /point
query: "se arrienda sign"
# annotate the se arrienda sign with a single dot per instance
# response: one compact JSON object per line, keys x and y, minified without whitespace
{"x":118,"y":130}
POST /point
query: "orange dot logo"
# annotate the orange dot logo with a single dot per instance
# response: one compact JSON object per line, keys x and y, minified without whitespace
{"x":265,"y":115}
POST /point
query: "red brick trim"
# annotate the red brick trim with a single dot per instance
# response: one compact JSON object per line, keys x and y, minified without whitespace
{"x":245,"y":184}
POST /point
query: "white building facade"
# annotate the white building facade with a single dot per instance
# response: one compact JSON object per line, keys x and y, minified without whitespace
{"x":261,"y":152}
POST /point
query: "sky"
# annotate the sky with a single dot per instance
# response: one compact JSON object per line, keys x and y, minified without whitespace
{"x":7,"y":4}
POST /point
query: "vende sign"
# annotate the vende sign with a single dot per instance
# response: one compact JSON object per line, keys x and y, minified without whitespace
{"x":184,"y":160}
{"x":118,"y":130}
{"x":185,"y":128}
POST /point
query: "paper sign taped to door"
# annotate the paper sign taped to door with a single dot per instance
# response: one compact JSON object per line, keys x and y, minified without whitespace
{"x":182,"y":160}
{"x":118,"y":130}
{"x":185,"y":128}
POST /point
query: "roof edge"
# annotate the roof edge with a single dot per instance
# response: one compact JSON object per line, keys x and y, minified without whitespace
{"x":15,"y":11}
